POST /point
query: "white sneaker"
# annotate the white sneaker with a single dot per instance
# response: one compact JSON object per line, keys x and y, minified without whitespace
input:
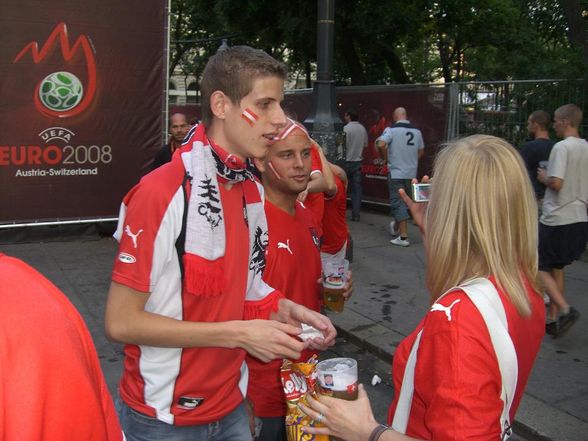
{"x":393,"y":228}
{"x":399,"y":241}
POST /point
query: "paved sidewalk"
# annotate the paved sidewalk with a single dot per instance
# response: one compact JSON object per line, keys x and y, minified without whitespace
{"x":389,"y":300}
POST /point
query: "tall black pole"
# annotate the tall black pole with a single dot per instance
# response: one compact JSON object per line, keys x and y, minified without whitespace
{"x":323,"y":122}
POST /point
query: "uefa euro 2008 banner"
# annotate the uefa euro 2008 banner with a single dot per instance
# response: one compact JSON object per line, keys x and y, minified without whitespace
{"x":82,"y":101}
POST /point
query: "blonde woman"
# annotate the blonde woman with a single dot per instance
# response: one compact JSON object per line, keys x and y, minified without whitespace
{"x":481,"y":222}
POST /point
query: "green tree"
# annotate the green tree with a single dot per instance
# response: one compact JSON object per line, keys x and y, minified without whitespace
{"x":370,"y":36}
{"x":576,"y":14}
{"x":561,"y":27}
{"x":395,"y":42}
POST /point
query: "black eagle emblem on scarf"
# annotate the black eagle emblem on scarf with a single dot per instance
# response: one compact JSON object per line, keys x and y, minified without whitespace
{"x":210,"y":208}
{"x":260,"y":242}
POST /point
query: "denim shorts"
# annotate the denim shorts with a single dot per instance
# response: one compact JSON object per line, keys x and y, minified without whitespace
{"x":398,"y":209}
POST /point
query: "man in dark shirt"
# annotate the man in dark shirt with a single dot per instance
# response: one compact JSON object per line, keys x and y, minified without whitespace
{"x":178,"y":128}
{"x":537,"y":149}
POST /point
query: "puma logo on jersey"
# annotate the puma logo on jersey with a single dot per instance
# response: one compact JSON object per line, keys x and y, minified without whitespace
{"x":285,"y":246}
{"x":132,"y":235}
{"x":445,"y":309}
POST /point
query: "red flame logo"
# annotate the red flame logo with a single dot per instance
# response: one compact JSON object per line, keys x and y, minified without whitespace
{"x":81,"y":44}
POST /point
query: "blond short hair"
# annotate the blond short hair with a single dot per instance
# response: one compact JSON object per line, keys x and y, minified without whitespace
{"x":572,"y":113}
{"x":481,"y":219}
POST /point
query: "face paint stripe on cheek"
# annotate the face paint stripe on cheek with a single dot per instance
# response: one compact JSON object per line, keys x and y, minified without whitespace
{"x":271,"y":166}
{"x":249,"y":116}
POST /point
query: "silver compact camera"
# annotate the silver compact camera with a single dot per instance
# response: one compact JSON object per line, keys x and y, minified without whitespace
{"x":421,"y":192}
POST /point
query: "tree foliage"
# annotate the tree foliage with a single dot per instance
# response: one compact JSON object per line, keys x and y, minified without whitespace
{"x":394,"y":42}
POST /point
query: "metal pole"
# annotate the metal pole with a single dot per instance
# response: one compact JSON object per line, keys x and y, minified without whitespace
{"x":323,"y":122}
{"x":452,"y":130}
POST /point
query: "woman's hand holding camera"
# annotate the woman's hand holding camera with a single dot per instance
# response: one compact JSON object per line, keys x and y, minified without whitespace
{"x":417,"y":209}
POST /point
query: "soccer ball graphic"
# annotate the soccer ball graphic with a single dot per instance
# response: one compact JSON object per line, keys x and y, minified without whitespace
{"x":61,"y":91}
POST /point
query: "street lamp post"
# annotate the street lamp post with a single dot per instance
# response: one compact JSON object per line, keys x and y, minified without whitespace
{"x":323,"y":122}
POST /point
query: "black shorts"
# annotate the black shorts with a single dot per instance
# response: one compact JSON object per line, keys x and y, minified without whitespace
{"x":560,"y":245}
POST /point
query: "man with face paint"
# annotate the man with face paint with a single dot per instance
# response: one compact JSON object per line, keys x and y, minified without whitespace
{"x":293,"y":262}
{"x":187,"y":294}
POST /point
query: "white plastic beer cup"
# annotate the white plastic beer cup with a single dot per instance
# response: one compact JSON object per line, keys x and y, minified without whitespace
{"x":338,"y":377}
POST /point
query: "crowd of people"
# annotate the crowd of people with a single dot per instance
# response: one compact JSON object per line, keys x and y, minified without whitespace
{"x":219,"y":266}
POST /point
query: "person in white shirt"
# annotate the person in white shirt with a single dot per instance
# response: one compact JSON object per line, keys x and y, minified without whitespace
{"x":402,"y":145}
{"x":563,"y":227}
{"x":356,"y":141}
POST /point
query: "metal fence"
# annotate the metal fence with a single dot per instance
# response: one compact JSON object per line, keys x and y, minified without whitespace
{"x":501,"y":108}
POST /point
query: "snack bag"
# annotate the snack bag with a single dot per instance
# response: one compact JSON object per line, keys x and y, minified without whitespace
{"x":298,"y":379}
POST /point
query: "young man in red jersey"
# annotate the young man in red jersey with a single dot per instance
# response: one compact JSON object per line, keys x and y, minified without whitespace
{"x":293,"y":263}
{"x":187,"y":295}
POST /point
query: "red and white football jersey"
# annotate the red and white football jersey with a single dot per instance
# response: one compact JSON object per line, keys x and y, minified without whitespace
{"x":293,"y":266}
{"x":457,"y":381}
{"x":192,"y":385}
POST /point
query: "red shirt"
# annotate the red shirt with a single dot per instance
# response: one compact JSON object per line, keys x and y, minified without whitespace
{"x":157,"y":381}
{"x":315,"y":202}
{"x":457,"y":381}
{"x":293,"y":266}
{"x":51,"y":384}
{"x":335,"y":230}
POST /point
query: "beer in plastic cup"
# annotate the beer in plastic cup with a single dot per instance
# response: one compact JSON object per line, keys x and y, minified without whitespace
{"x":338,"y":377}
{"x":334,"y":279}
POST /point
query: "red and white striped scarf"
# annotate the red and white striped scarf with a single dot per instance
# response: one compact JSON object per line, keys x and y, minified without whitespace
{"x":205,"y":229}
